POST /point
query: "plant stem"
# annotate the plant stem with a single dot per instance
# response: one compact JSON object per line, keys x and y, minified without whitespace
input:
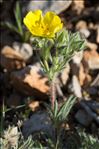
{"x":53,"y":91}
{"x":57,"y":137}
{"x":2,"y":117}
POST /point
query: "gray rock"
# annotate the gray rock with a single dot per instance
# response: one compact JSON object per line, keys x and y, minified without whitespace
{"x":90,"y":112}
{"x":24,"y":49}
{"x":47,"y":5}
{"x":38,"y":122}
{"x":93,"y":91}
{"x":93,"y":105}
{"x":77,"y":58}
{"x":85,"y":32}
{"x":83,"y":118}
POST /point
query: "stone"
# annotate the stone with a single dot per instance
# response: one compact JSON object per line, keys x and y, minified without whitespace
{"x":50,"y":5}
{"x":77,"y":58}
{"x":83,"y":76}
{"x":85,"y":32}
{"x":38,"y":122}
{"x":31,"y":81}
{"x":93,"y":91}
{"x":90,"y":112}
{"x":76,"y":86}
{"x":94,"y":105}
{"x":33,"y":105}
{"x":78,"y":6}
{"x":83,"y":28}
{"x":10,"y":59}
{"x":83,"y":118}
{"x":91,"y":46}
{"x":91,"y":25}
{"x":92,"y":59}
{"x":97,"y":39}
{"x":81,"y":25}
{"x":24,"y":49}
{"x":64,"y":76}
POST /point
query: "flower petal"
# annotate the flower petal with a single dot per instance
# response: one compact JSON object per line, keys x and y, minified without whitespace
{"x":45,"y":26}
{"x":53,"y":21}
{"x":49,"y":17}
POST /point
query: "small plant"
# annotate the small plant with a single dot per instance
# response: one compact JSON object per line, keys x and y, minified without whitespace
{"x":88,"y":141}
{"x":18,"y":27}
{"x":12,"y":139}
{"x":57,"y":47}
{"x":58,"y":117}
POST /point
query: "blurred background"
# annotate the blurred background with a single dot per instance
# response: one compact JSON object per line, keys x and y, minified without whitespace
{"x":20,"y":82}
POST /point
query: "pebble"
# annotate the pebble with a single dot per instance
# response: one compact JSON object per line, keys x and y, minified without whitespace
{"x":83,"y":117}
{"x":11,"y":59}
{"x":30,"y":81}
{"x":24,"y":49}
{"x":52,"y":5}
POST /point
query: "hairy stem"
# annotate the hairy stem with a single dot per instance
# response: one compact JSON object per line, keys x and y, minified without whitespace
{"x":53,"y":91}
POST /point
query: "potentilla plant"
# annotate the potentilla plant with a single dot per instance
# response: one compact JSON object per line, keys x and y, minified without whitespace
{"x":57,"y":46}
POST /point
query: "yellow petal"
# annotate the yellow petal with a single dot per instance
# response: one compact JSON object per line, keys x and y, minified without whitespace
{"x":48,"y":17}
{"x":38,"y":13}
{"x":53,"y":21}
{"x":45,"y":26}
{"x":32,"y":18}
{"x":57,"y":27}
{"x":29,"y":19}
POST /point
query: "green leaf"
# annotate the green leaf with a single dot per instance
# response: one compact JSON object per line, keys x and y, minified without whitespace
{"x":27,"y":36}
{"x":27,"y":144}
{"x":65,"y":108}
{"x":18,"y":17}
{"x":46,"y":66}
{"x":88,"y":141}
{"x":61,"y":38}
{"x":10,"y":26}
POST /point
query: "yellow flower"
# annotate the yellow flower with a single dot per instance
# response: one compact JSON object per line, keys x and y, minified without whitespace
{"x":44,"y":26}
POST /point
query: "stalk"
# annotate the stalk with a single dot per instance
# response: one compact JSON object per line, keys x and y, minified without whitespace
{"x":53,"y":91}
